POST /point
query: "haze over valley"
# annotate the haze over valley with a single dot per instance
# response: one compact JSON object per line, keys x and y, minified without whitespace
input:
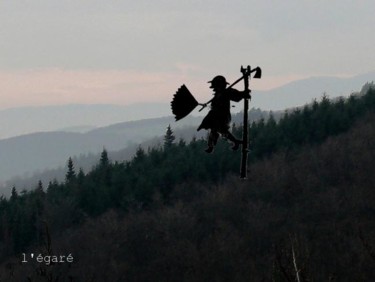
{"x":85,"y":117}
{"x":60,"y":132}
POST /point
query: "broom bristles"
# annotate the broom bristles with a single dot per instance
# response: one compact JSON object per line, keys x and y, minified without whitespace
{"x":183,"y":103}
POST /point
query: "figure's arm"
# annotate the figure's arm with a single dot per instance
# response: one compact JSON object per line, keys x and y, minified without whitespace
{"x":236,"y":95}
{"x":205,"y":104}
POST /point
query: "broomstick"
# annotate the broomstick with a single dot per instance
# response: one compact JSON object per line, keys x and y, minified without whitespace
{"x":258,"y":74}
{"x":183,"y":102}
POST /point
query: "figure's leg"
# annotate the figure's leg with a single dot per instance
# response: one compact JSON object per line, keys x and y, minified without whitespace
{"x":212,"y":140}
{"x":230,"y":137}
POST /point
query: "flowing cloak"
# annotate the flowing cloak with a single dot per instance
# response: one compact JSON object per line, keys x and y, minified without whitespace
{"x":218,"y":118}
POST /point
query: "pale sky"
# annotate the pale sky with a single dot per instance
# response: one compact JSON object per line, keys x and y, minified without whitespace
{"x":123,"y":52}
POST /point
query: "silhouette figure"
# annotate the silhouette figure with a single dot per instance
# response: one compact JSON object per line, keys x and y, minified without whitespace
{"x":219,"y":116}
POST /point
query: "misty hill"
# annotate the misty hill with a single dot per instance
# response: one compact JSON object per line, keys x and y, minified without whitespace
{"x":43,"y":156}
{"x":176,"y":213}
{"x":39,"y":151}
{"x":87,"y":161}
{"x":82,"y":118}
{"x":43,"y":162}
{"x":75,"y":117}
{"x":118,"y":136}
{"x":121,"y":140}
{"x":301,"y":92}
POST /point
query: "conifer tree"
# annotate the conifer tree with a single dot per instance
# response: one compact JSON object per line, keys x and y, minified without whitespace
{"x":14,"y":194}
{"x":104,"y":160}
{"x":168,"y":138}
{"x":39,"y":188}
{"x":80,"y":176}
{"x":139,"y":154}
{"x":71,"y":174}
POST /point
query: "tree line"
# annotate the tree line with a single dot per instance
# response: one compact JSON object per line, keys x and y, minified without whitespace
{"x":153,"y":178}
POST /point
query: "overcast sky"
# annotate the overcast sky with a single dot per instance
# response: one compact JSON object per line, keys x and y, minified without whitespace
{"x":122,"y":52}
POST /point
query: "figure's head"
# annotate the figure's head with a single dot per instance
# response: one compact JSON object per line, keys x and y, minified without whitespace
{"x":218,"y":82}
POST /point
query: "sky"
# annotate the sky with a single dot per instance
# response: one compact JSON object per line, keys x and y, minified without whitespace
{"x":123,"y":52}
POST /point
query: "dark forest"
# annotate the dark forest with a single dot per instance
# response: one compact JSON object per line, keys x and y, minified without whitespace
{"x":174,"y":213}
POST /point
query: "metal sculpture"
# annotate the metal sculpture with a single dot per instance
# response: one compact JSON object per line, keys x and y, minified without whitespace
{"x":218,"y":118}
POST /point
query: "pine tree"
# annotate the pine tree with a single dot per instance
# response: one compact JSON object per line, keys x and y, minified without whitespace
{"x":168,"y":138}
{"x":80,"y":176}
{"x":71,"y":174}
{"x":104,"y":160}
{"x":39,"y":188}
{"x":14,"y":194}
{"x":105,"y":169}
{"x":139,"y":154}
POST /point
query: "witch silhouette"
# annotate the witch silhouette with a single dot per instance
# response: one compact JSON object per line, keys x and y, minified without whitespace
{"x":219,"y":117}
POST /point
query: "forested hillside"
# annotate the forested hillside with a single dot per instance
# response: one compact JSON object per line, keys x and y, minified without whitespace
{"x":53,"y":148}
{"x":175,"y":213}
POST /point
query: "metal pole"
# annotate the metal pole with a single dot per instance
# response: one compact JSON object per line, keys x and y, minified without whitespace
{"x":245,"y":141}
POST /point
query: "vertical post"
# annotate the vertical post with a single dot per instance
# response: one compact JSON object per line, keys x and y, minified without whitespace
{"x":245,"y":139}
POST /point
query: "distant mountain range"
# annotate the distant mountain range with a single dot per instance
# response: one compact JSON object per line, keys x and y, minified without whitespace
{"x":43,"y":156}
{"x":58,"y":132}
{"x":303,"y":91}
{"x":74,"y":117}
{"x":41,"y":150}
{"x":83,"y":118}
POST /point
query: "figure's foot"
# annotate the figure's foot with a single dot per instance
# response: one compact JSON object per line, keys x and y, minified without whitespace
{"x":236,"y":145}
{"x":209,"y":149}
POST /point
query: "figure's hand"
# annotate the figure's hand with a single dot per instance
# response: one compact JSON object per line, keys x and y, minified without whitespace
{"x":247,"y":94}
